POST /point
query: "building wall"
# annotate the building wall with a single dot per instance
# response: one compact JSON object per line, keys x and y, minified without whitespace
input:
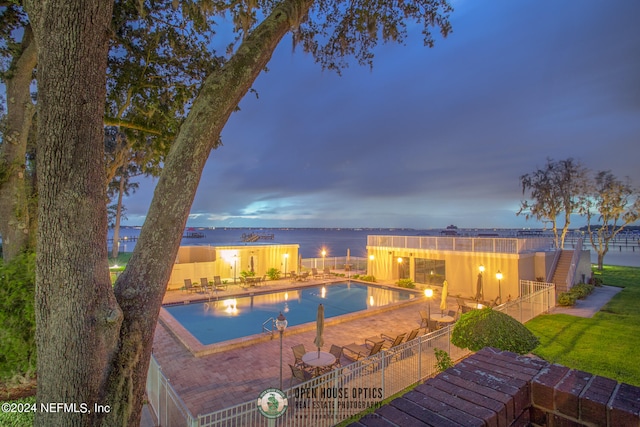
{"x":462,"y":269}
{"x":229,"y":261}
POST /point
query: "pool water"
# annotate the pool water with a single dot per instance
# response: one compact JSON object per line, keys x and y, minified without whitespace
{"x":223,"y":320}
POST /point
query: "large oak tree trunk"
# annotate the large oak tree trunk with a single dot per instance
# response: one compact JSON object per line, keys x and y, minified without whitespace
{"x":15,"y":188}
{"x":77,"y":317}
{"x":90,"y":348}
{"x":142,"y":285}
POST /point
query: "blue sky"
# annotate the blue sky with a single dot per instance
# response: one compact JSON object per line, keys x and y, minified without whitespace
{"x":430,"y":137}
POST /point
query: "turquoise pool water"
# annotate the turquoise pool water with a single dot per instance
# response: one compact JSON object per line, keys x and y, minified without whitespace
{"x":223,"y":320}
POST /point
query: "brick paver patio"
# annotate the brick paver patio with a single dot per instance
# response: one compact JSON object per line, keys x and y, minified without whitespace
{"x":227,"y":378}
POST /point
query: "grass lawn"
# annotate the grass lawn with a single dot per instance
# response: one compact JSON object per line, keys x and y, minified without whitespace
{"x":606,"y":344}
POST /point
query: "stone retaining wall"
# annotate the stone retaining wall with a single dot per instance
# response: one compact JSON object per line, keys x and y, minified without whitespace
{"x":499,"y":389}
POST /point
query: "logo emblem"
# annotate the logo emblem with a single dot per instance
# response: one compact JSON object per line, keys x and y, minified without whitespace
{"x":272,"y":403}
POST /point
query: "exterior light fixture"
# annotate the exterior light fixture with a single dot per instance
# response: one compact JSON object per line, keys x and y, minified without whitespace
{"x":281,"y":325}
{"x":499,"y":277}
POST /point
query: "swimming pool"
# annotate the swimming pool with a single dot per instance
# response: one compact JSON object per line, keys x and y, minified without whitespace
{"x":217,"y":321}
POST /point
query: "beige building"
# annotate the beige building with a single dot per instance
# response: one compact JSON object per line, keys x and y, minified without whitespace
{"x":228,"y":262}
{"x":429,"y":260}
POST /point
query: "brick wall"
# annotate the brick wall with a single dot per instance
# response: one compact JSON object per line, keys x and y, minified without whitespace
{"x":499,"y":389}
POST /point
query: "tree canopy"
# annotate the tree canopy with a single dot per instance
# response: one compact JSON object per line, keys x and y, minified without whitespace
{"x":554,"y":191}
{"x":615,"y":202}
{"x":94,"y":340}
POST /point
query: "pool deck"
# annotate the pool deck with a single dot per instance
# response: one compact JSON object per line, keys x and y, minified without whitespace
{"x":226,"y":378}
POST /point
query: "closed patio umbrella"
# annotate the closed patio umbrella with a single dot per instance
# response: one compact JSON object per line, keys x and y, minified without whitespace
{"x":443,"y":300}
{"x":319,"y":341}
{"x":479,"y":296}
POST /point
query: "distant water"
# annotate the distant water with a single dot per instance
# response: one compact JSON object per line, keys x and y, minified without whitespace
{"x":336,"y":241}
{"x":311,"y":240}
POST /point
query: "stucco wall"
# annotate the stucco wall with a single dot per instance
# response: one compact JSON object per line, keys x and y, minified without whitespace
{"x":229,"y":261}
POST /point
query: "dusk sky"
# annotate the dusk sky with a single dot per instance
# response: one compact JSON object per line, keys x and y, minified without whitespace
{"x":430,"y":137}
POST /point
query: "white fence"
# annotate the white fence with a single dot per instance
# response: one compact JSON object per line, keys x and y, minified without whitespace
{"x":355,"y":264}
{"x":465,"y":244}
{"x":169,"y":409}
{"x":342,"y":393}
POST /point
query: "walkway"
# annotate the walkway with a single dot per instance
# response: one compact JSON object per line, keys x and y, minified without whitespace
{"x":590,"y":305}
{"x":224,"y":379}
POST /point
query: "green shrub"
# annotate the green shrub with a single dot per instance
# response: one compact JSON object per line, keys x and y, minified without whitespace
{"x":582,"y":290}
{"x":355,"y":276}
{"x":247,"y":273}
{"x":406,"y":283}
{"x":273,"y":273}
{"x":368,"y":278}
{"x":443,"y":360}
{"x":478,"y":329}
{"x":567,"y":299}
{"x":595,"y":281}
{"x":17,"y":317}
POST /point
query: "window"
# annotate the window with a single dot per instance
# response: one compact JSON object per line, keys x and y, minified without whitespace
{"x":430,"y":271}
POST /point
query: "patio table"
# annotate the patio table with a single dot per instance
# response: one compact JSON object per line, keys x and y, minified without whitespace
{"x":318,"y":360}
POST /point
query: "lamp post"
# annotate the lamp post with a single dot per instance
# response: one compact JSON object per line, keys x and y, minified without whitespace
{"x":235,"y":261}
{"x":428,"y":293}
{"x":400,"y":268}
{"x":499,"y":277}
{"x":281,"y":325}
{"x":481,"y":293}
{"x":370,"y":267}
{"x":324,"y":254}
{"x":286,"y":257}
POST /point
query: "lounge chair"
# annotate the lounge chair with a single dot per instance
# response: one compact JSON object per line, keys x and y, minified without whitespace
{"x":243,"y":283}
{"x":218,"y":285}
{"x":294,"y":276}
{"x":298,"y":352}
{"x":358,"y":351}
{"x":204,"y":285}
{"x":315,"y":274}
{"x":392,"y":342}
{"x":412,"y":334}
{"x":304,"y":276}
{"x":190,"y":287}
{"x":299,"y":374}
{"x":326,"y":272}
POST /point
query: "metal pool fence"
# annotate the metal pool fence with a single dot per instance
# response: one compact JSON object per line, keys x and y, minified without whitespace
{"x":338,"y":395}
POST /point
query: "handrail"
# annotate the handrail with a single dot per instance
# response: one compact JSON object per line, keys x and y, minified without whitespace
{"x":554,"y":264}
{"x":265,"y":329}
{"x":577,"y":250}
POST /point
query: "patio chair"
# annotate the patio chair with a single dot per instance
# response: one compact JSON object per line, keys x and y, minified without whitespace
{"x":390,"y":343}
{"x":243,"y":283}
{"x":315,"y":274}
{"x":218,"y":285}
{"x":358,"y":351}
{"x":326,"y":272}
{"x":294,"y":276}
{"x":336,"y":350}
{"x":304,"y":276}
{"x":454,"y":314}
{"x":190,"y":287}
{"x":298,"y":352}
{"x":424,"y":318}
{"x":299,"y":374}
{"x":433,"y":325}
{"x":412,"y":334}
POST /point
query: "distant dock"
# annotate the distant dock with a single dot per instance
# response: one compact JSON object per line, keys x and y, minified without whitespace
{"x":254,"y":237}
{"x":193,"y":235}
{"x":124,"y":239}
